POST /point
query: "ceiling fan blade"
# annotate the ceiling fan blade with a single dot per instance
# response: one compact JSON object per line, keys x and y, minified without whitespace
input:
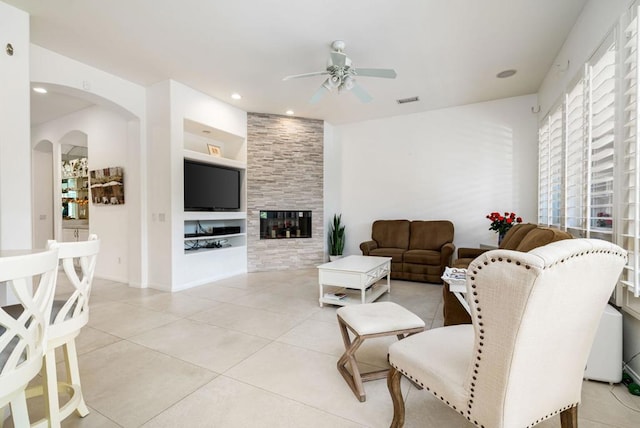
{"x":387,"y":73}
{"x":359,"y":92}
{"x":319,"y":94}
{"x":298,"y":76}
{"x":338,"y":58}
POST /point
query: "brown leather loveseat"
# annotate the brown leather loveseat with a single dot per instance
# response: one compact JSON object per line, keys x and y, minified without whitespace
{"x":420,"y":249}
{"x":521,"y":237}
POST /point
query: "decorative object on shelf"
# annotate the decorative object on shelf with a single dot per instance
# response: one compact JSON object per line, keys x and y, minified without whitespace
{"x":107,"y":186}
{"x":214,"y":150}
{"x":502,"y":223}
{"x":75,"y":168}
{"x":336,"y":237}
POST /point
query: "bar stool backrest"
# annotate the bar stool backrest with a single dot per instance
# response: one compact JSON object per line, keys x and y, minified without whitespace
{"x":78,"y":262}
{"x":32,"y":279}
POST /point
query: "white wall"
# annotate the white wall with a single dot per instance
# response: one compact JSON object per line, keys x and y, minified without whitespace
{"x":15,"y":150}
{"x":42,"y":194}
{"x":457,"y":164}
{"x":107,"y":144}
{"x":332,"y":180}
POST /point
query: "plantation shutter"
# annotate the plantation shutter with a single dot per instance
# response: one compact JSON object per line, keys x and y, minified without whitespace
{"x":629,"y":209}
{"x":575,"y":160}
{"x":555,"y":167}
{"x":601,"y":118}
{"x":543,"y":172}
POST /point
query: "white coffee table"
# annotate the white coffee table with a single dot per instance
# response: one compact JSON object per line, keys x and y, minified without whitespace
{"x":355,"y":273}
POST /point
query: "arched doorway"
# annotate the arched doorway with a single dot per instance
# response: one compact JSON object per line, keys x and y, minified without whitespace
{"x":94,"y":125}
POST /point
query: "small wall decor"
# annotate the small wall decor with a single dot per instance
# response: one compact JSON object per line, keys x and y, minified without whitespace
{"x":107,"y":186}
{"x":214,"y":150}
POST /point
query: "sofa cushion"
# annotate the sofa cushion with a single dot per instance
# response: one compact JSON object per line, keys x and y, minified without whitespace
{"x":394,"y":253}
{"x":430,"y":234}
{"x":541,"y":236}
{"x":515,"y":235}
{"x":424,"y":257}
{"x":462,"y":263}
{"x":390,"y":234}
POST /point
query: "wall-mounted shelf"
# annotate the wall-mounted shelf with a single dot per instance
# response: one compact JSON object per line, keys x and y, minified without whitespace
{"x":215,"y":160}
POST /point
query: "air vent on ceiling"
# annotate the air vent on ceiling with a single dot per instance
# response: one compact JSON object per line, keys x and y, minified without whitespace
{"x":408,"y":100}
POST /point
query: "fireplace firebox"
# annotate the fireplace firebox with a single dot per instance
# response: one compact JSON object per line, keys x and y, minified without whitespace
{"x":285,"y":224}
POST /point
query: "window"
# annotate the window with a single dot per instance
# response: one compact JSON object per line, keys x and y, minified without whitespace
{"x":551,"y":169}
{"x":576,"y":159}
{"x":600,"y":128}
{"x":576,"y":149}
{"x":629,"y":209}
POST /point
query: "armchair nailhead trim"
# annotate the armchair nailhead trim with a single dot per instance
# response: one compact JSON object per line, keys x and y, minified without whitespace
{"x":482,"y":332}
{"x":552,"y":414}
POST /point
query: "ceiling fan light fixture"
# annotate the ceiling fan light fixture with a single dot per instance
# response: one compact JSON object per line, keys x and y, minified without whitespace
{"x":348,"y":83}
{"x":331,"y":82}
{"x":342,"y":75}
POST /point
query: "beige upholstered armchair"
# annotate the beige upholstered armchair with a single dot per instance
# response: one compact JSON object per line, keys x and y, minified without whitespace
{"x":522,"y":360}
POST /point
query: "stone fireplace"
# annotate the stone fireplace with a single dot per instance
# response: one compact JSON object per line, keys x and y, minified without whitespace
{"x":285,"y":168}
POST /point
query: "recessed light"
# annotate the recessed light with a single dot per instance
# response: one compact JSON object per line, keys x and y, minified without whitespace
{"x":236,"y":96}
{"x":289,"y":112}
{"x":39,"y":90}
{"x":506,"y":73}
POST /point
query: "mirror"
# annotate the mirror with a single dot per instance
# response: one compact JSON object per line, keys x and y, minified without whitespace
{"x":75,"y":182}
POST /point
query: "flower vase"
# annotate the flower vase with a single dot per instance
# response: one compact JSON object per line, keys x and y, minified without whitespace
{"x":501,"y":237}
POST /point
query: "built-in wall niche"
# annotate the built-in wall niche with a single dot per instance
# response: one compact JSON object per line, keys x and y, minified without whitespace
{"x":207,"y":140}
{"x":214,"y":231}
{"x":285,"y":224}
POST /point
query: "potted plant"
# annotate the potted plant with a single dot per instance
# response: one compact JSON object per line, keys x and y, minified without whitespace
{"x":336,"y":237}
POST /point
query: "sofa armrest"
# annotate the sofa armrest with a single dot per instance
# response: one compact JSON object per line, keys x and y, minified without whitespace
{"x":445,"y":255}
{"x":367,"y":246}
{"x":470,"y":253}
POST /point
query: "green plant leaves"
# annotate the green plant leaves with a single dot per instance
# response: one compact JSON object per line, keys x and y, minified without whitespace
{"x":336,"y":236}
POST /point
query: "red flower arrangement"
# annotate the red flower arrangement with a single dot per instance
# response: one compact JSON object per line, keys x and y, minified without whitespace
{"x":502,"y":223}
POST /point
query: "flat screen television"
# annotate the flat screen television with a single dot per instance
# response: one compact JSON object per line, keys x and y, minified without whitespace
{"x":210,"y":187}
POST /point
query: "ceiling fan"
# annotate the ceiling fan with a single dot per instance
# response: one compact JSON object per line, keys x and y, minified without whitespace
{"x":342,"y":75}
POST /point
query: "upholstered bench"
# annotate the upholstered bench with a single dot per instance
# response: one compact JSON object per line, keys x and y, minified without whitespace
{"x":365,"y":322}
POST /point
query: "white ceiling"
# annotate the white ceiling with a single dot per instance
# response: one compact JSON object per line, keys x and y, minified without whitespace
{"x":447,"y":52}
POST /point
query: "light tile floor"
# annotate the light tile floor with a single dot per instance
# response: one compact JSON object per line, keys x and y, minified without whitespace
{"x":256,"y":350}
